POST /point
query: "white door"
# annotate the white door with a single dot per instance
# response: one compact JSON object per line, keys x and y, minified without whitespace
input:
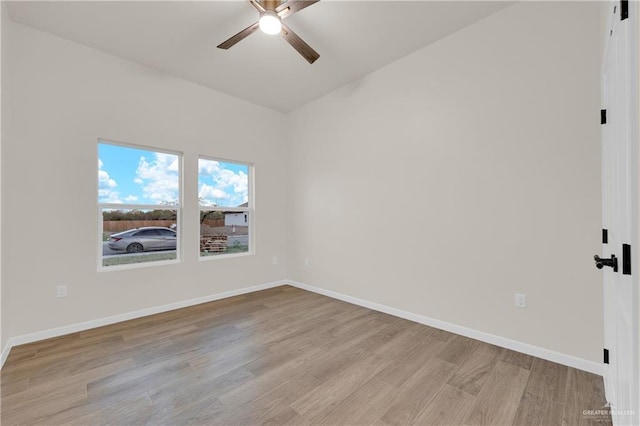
{"x":620,"y":163}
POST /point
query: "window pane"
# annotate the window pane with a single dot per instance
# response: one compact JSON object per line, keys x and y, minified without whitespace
{"x":137,"y":176}
{"x":223,"y":232}
{"x":223,"y":184}
{"x":126,"y":239}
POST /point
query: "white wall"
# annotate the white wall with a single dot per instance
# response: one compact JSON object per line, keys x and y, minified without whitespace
{"x":487,"y":143}
{"x":65,"y":96}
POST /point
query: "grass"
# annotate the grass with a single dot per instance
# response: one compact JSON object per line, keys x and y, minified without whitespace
{"x":236,"y":248}
{"x":128,"y":259}
{"x":138,"y":258}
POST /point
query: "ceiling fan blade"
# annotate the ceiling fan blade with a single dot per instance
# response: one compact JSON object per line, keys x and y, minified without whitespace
{"x":258,"y":6}
{"x":238,"y":37}
{"x":290,"y":7}
{"x":297,"y":43}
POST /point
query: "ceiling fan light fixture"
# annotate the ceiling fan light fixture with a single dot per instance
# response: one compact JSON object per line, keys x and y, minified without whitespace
{"x":270,"y":23}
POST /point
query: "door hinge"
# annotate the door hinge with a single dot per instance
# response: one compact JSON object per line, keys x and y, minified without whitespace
{"x":624,"y":9}
{"x":605,"y":236}
{"x":606,"y":356}
{"x":603,"y":116}
{"x":626,"y":259}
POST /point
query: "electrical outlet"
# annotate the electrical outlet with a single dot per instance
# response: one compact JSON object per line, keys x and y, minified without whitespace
{"x":274,"y":260}
{"x":306,"y":262}
{"x":521,"y":300}
{"x":61,"y":291}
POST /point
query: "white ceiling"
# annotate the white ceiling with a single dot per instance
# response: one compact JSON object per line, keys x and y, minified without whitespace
{"x":353,"y":39}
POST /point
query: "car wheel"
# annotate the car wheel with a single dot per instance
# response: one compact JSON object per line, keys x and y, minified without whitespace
{"x":134,"y":248}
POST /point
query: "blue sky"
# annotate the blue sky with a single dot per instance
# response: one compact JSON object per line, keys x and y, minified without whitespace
{"x":137,"y":176}
{"x":222,"y":183}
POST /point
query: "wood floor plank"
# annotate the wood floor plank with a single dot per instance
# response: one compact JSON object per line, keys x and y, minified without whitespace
{"x":411,"y":334}
{"x":440,"y":335}
{"x":39,"y":366}
{"x":294,"y":368}
{"x":136,"y":377}
{"x":353,"y":323}
{"x":458,"y":349}
{"x":285,"y":356}
{"x":208,"y":340}
{"x":475,"y":369}
{"x":150,"y":333}
{"x":207,"y":410}
{"x":276,"y":413}
{"x":412,"y":398}
{"x":321,"y":400}
{"x":76,"y":344}
{"x":284,"y":393}
{"x":301,"y":336}
{"x":230,"y":358}
{"x":536,"y":410}
{"x":577,"y":401}
{"x":339,"y":353}
{"x":362,"y":407}
{"x":9,"y":387}
{"x":79,"y":408}
{"x":517,"y":358}
{"x":20,"y":355}
{"x":31,"y":407}
{"x":85,"y":369}
{"x":548,"y":380}
{"x":448,"y":407}
{"x":127,"y":412}
{"x":272,"y":360}
{"x":500,"y":397}
{"x":193,"y":389}
{"x":80,"y":378}
{"x":324,"y":369}
{"x":412,"y":360}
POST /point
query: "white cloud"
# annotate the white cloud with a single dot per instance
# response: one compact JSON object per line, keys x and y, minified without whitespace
{"x":107,"y":196}
{"x":104,"y":181}
{"x":228,"y":188}
{"x":208,"y":167}
{"x":211,"y":195}
{"x":174,"y":166}
{"x":106,"y":193}
{"x":159,"y":178}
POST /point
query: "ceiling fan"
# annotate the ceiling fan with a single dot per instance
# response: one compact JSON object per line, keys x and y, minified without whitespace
{"x":272,"y":12}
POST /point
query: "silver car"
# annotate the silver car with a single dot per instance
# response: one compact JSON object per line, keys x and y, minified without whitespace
{"x":143,"y":239}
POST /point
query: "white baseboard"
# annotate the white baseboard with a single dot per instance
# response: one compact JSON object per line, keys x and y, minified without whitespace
{"x":5,"y":352}
{"x":549,"y":355}
{"x":526,"y":348}
{"x":82,"y":326}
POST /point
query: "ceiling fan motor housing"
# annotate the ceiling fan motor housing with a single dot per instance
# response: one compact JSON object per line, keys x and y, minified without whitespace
{"x":270,"y":4}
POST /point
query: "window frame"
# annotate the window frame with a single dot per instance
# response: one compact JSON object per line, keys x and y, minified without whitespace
{"x":249,"y":210}
{"x":138,"y":206}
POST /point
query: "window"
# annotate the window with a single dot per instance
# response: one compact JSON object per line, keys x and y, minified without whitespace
{"x":138,"y":205}
{"x":224,"y":195}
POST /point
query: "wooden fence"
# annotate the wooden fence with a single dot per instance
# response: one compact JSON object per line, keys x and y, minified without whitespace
{"x":125,"y":225}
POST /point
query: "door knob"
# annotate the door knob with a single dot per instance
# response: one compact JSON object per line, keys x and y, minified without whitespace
{"x":612,"y":263}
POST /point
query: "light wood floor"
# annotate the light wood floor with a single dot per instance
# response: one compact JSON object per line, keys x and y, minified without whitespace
{"x":286,"y":356}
